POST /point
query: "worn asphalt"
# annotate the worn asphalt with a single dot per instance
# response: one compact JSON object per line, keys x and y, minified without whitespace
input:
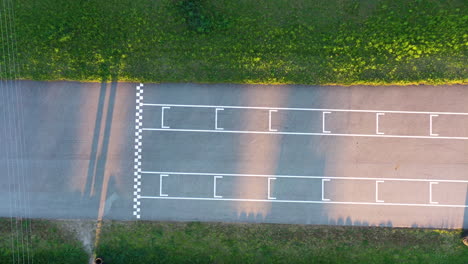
{"x":359,"y":155}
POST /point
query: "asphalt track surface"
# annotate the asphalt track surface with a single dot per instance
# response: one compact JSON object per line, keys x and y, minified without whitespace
{"x":388,"y":156}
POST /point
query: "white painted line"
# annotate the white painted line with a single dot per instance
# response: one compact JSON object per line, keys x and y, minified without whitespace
{"x":430,"y":126}
{"x":269,"y":189}
{"x":323,"y":122}
{"x":301,"y":176}
{"x":430,"y":192}
{"x":162,"y":116}
{"x":377,"y":123}
{"x":377,"y":192}
{"x":311,"y":109}
{"x":216,"y":118}
{"x":323,"y":189}
{"x":160,"y":184}
{"x":302,"y":133}
{"x":299,"y":201}
{"x":269,"y":120}
{"x":214,"y":187}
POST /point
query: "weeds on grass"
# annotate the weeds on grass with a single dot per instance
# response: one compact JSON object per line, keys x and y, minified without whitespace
{"x":244,"y":41}
{"x":156,"y":242}
{"x":48,"y":244}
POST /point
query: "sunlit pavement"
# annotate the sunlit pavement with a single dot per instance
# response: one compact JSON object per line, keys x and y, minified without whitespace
{"x":389,"y":156}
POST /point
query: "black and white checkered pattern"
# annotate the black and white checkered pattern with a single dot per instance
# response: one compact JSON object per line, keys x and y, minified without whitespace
{"x":138,"y":139}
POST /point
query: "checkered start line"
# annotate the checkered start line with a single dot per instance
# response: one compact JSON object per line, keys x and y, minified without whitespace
{"x":138,"y":138}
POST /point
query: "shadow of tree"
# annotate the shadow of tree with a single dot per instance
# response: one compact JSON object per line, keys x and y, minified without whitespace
{"x":348,"y":221}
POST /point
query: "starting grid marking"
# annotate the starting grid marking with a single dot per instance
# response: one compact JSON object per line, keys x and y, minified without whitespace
{"x":217,"y":196}
{"x":138,"y":143}
{"x":272,"y":111}
{"x":326,"y":115}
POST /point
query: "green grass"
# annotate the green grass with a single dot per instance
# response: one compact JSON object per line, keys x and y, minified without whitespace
{"x":158,"y":242}
{"x":242,"y":41}
{"x":55,"y":241}
{"x":46,"y":244}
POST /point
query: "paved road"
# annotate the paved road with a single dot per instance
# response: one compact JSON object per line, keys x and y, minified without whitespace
{"x":390,"y":156}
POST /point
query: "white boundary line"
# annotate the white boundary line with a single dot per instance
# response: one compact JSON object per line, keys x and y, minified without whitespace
{"x":300,"y":201}
{"x":160,"y":184}
{"x":138,"y":142}
{"x":162,"y":117}
{"x":216,"y":118}
{"x":269,"y":120}
{"x":311,"y":109}
{"x":323,"y":189}
{"x":430,"y":126}
{"x":269,"y":189}
{"x":214,"y":186}
{"x":323,"y":123}
{"x":377,"y":192}
{"x":302,"y":176}
{"x":377,"y":123}
{"x":301,"y":133}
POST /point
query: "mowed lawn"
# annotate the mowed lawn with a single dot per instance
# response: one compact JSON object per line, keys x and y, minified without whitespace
{"x":40,"y":242}
{"x":137,"y":242}
{"x":159,"y":242}
{"x":241,"y":41}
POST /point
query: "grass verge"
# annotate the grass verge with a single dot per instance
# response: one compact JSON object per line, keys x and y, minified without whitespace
{"x":56,"y":241}
{"x":48,"y":243}
{"x":160,"y":242}
{"x":243,"y":41}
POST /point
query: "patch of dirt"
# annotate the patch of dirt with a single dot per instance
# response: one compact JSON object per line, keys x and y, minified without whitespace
{"x":84,"y":230}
